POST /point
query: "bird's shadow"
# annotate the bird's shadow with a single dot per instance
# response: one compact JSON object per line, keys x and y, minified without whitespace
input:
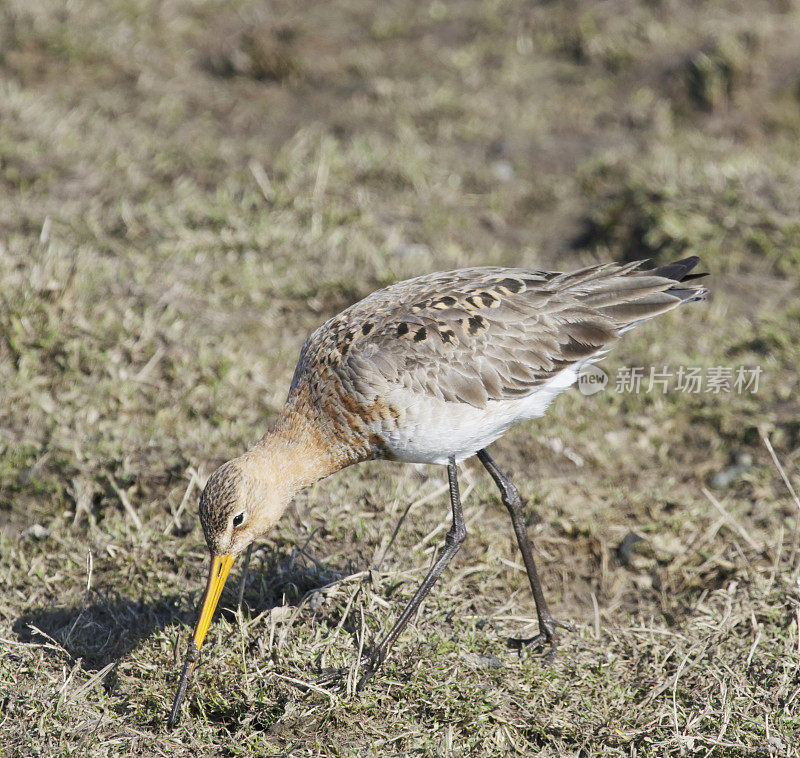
{"x":282,"y":578}
{"x":104,"y":629}
{"x":108,"y":626}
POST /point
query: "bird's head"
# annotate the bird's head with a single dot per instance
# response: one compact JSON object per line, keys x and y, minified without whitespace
{"x":237,"y":505}
{"x":231,"y":512}
{"x":241,"y":502}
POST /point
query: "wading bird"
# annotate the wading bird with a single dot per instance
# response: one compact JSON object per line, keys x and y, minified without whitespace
{"x":429,"y":370}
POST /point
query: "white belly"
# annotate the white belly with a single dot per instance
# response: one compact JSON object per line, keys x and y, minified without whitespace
{"x":432,"y":430}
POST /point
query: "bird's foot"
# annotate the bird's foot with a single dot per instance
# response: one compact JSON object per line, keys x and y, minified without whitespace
{"x":329,"y":676}
{"x":546,"y":637}
{"x":370,"y":663}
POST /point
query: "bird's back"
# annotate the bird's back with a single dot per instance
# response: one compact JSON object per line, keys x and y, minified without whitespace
{"x":444,"y":363}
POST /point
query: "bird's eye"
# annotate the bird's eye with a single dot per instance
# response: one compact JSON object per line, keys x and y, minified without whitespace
{"x":238,"y":519}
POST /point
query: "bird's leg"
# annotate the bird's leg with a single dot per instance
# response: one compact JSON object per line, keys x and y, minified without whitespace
{"x":452,"y":542}
{"x":511,"y":499}
{"x":243,"y":578}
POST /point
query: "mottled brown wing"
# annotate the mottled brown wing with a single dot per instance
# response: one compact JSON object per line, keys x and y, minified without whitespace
{"x":483,"y":334}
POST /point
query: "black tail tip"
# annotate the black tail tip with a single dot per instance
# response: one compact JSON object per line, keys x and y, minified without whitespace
{"x":679,"y":270}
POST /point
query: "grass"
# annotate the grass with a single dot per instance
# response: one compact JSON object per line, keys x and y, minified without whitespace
{"x":189,"y":188}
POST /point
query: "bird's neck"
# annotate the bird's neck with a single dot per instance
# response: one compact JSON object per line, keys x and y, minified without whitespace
{"x":295,"y":454}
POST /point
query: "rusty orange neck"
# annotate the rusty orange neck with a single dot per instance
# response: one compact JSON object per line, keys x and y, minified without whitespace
{"x":297,"y":452}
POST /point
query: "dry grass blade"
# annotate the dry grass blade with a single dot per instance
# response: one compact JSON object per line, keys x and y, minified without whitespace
{"x":781,"y":471}
{"x":126,"y":503}
{"x":411,"y":506}
{"x":91,"y":682}
{"x":89,"y":568}
{"x":308,"y":686}
{"x":731,"y":521}
{"x":195,"y":481}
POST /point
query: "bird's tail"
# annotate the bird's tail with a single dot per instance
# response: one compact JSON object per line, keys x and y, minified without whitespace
{"x":679,"y":272}
{"x":627,"y":295}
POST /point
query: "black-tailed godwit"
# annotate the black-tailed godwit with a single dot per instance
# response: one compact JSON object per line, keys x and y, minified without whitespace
{"x":428,"y":370}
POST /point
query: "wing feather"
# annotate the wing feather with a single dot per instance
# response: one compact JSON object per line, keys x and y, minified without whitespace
{"x":482,"y":334}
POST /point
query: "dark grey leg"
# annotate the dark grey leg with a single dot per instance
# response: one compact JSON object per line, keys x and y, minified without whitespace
{"x":511,"y":499}
{"x":452,"y":542}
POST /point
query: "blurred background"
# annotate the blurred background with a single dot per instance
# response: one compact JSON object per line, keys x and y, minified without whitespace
{"x":189,"y":187}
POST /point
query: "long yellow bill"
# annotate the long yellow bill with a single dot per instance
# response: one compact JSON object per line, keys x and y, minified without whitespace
{"x":217,"y":576}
